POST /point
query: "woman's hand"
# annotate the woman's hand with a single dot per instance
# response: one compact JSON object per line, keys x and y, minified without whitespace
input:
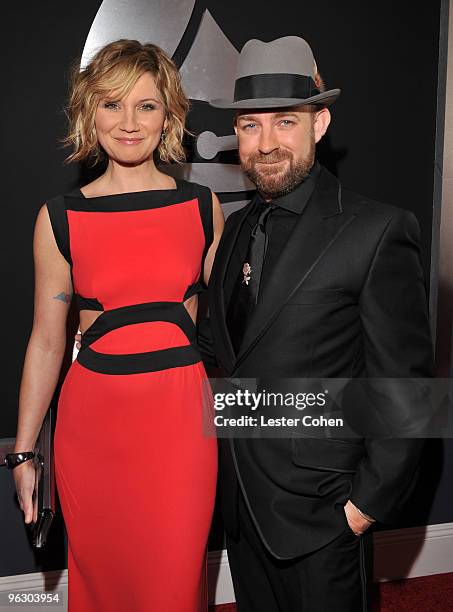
{"x":78,"y":340}
{"x":25,"y":480}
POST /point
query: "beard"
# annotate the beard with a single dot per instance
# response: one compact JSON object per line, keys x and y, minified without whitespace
{"x":274,"y":182}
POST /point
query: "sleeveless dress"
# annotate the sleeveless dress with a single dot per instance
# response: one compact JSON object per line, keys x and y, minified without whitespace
{"x":135,"y":471}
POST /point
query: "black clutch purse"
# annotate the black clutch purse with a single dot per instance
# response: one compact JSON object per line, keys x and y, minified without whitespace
{"x":44,"y":494}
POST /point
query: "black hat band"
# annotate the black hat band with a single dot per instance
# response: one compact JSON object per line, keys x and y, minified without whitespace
{"x":259,"y":86}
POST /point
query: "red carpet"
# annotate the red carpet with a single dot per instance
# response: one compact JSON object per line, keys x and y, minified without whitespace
{"x":427,"y":594}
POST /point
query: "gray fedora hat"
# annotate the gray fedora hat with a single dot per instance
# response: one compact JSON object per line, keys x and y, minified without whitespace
{"x":276,"y":74}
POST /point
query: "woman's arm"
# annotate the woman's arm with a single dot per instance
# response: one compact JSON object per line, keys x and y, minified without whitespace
{"x":44,"y":355}
{"x":218,"y":223}
{"x":53,"y":291}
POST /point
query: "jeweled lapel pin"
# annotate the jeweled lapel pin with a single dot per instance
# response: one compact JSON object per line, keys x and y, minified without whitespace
{"x":246,"y":271}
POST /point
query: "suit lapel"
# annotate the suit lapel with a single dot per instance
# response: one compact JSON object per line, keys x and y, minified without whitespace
{"x":319,"y":225}
{"x":217,"y":301}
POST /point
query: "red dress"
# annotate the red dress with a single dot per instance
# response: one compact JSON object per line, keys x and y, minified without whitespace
{"x":135,"y":472}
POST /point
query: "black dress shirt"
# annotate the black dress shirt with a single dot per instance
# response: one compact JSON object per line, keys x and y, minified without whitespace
{"x":279,"y":225}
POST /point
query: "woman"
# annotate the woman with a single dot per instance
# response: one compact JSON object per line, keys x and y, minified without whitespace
{"x":135,"y":474}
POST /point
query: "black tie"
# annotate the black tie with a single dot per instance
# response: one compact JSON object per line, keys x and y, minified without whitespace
{"x":255,"y":258}
{"x":245,"y":294}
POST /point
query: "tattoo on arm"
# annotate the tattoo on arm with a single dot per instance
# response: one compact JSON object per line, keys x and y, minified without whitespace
{"x":63,"y":297}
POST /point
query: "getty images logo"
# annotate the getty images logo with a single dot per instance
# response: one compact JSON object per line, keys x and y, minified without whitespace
{"x":244,"y":398}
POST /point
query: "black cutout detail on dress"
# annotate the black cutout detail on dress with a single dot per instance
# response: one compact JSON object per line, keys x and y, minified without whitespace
{"x":139,"y":363}
{"x":173,"y":312}
{"x":58,"y":219}
{"x":204,"y":196}
{"x":135,"y":363}
{"x":193,"y":289}
{"x":84,"y":303}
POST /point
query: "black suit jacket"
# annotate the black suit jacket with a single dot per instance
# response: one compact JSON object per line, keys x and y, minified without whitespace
{"x":346,"y":299}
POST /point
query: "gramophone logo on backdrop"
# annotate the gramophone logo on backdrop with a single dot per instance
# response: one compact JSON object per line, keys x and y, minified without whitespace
{"x":186,"y":30}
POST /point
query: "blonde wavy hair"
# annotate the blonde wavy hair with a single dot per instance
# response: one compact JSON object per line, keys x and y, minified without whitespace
{"x":114,"y":70}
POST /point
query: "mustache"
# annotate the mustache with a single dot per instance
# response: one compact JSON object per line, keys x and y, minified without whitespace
{"x":271,"y":158}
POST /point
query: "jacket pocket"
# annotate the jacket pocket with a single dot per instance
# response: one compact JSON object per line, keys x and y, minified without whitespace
{"x":315,"y":296}
{"x":327,"y":454}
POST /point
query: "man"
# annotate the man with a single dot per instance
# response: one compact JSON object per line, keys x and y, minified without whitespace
{"x":310,"y":280}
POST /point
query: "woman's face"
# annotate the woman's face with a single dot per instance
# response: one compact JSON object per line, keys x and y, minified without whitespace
{"x":129,"y":129}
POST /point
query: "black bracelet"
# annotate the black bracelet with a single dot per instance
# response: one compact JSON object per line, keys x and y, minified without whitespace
{"x":12,"y":460}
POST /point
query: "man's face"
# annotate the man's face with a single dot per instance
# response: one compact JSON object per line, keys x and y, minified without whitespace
{"x":277,"y":148}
